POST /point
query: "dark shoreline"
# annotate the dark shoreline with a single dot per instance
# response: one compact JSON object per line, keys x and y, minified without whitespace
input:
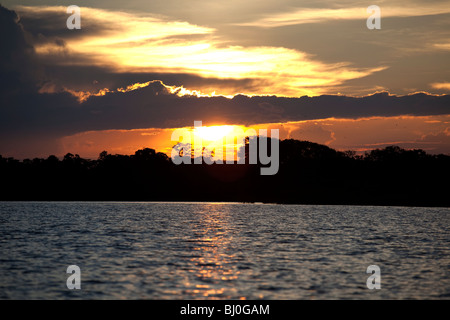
{"x":308,"y":173}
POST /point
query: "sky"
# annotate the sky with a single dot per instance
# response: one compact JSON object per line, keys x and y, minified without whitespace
{"x":137,"y":70}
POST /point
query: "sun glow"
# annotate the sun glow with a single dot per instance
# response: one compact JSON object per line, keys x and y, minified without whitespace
{"x":218,"y":142}
{"x":213,"y":133}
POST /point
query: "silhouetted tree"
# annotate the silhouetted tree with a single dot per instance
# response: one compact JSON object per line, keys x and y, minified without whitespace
{"x":309,"y":173}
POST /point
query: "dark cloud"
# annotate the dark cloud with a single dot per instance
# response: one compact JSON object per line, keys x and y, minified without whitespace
{"x":155,"y":107}
{"x":18,"y":68}
{"x":46,"y":26}
{"x":92,"y":79}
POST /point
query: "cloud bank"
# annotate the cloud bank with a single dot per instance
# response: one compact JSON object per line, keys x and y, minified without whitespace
{"x":126,"y":42}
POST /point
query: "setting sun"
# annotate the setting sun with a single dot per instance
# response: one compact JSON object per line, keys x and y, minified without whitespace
{"x":213,"y":133}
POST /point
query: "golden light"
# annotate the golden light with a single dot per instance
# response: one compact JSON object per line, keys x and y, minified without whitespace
{"x":213,"y":133}
{"x":145,"y":43}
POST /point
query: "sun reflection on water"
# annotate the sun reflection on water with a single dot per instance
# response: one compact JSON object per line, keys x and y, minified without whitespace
{"x":211,"y":265}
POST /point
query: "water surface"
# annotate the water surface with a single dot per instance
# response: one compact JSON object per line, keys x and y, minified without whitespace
{"x":150,"y":250}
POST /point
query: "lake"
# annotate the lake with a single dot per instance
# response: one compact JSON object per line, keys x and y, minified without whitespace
{"x":149,"y":250}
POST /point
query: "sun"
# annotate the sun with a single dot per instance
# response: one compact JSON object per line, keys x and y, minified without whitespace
{"x":213,"y":133}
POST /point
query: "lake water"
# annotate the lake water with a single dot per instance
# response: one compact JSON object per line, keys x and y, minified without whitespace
{"x":148,"y":250}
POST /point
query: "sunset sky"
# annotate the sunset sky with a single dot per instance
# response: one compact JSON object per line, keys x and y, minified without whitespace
{"x":137,"y":70}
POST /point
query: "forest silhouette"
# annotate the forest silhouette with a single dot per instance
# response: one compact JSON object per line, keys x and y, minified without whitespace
{"x":309,"y":173}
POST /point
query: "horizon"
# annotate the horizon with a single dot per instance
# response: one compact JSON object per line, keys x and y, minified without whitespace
{"x":358,"y":154}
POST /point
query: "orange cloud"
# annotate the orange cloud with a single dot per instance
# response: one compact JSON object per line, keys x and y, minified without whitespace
{"x":316,"y":15}
{"x":441,"y":85}
{"x":431,"y":133}
{"x":132,"y":42}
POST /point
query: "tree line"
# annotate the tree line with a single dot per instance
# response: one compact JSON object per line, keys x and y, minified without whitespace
{"x":309,"y":173}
